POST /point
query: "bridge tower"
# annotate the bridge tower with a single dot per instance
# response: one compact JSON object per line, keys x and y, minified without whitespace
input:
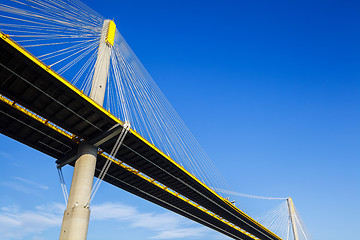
{"x":77,"y":214}
{"x":292,"y":217}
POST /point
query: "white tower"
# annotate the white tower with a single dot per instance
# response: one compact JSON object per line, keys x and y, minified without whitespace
{"x":77,"y":214}
{"x":292,"y":217}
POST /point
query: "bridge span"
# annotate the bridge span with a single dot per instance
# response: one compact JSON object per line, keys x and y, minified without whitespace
{"x":44,"y":111}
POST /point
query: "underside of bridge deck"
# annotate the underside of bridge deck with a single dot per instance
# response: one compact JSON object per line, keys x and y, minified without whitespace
{"x":42,"y":110}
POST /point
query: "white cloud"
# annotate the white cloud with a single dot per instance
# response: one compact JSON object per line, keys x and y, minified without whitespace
{"x":21,"y":188}
{"x":38,"y":185}
{"x":110,"y":211}
{"x":182,"y":233}
{"x":165,"y":225}
{"x":25,"y":186}
{"x":5,"y":155}
{"x":16,"y":223}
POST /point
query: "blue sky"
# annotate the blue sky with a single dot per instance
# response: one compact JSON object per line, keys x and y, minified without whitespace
{"x":280,"y":81}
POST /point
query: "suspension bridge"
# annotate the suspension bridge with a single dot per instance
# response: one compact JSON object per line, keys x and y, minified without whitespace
{"x":119,"y":127}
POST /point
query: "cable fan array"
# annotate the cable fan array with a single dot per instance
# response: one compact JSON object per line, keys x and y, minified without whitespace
{"x":134,"y":96}
{"x":65,"y":35}
{"x":279,"y":221}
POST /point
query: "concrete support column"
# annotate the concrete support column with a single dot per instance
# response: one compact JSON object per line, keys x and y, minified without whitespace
{"x":77,"y":214}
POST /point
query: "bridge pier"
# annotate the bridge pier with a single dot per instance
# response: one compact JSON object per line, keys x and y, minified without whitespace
{"x":77,"y":214}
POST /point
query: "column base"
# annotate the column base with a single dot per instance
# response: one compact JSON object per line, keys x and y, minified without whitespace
{"x":75,"y":223}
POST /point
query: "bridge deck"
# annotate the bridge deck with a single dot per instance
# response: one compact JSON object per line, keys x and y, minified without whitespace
{"x":32,"y":94}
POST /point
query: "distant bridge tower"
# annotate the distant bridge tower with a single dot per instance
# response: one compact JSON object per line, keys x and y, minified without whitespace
{"x":77,"y":214}
{"x":292,"y":217}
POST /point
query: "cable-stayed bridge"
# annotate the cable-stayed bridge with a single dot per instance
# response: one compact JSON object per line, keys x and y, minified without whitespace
{"x":155,"y":158}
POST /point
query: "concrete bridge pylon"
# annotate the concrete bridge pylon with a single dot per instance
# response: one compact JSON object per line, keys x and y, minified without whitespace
{"x":77,"y":214}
